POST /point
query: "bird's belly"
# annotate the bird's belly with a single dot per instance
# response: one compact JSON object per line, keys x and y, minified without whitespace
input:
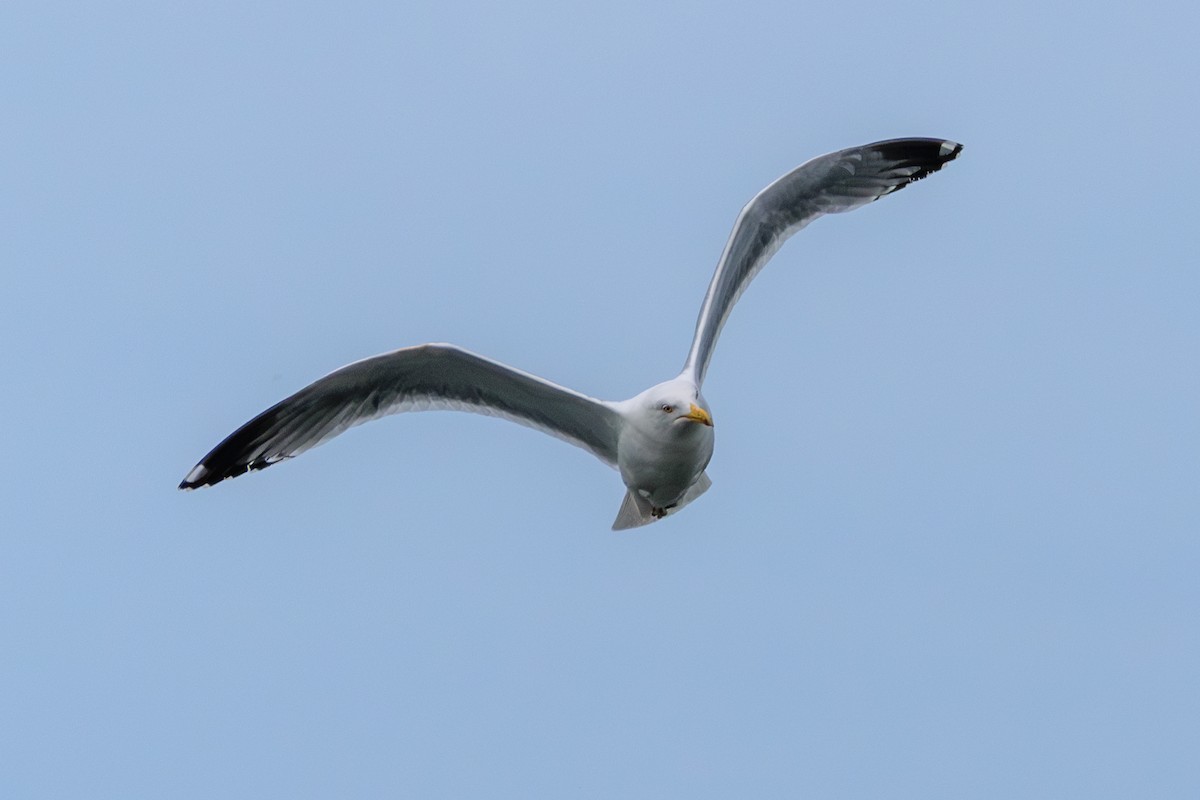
{"x":662,"y":472}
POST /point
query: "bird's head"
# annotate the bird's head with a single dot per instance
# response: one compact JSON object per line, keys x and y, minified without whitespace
{"x":676,"y":404}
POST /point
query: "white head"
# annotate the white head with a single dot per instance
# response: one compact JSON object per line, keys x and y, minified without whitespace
{"x":674,"y":405}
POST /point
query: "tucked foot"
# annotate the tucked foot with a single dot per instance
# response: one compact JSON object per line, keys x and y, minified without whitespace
{"x":658,"y":512}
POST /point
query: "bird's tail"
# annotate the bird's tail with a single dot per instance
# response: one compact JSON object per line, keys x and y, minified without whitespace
{"x":637,"y":511}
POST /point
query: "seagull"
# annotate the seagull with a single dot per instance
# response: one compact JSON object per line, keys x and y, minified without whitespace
{"x":660,"y":440}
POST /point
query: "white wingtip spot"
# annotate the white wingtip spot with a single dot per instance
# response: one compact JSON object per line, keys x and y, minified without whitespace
{"x":198,"y":472}
{"x":948,"y":148}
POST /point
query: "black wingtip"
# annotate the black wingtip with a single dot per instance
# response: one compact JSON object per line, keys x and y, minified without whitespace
{"x":202,"y":475}
{"x":949,"y":151}
{"x":236,"y":455}
{"x":927,"y":155}
{"x":198,"y":477}
{"x":187,"y":486}
{"x":191,"y":481}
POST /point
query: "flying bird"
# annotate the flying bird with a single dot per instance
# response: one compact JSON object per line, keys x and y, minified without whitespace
{"x":660,"y":440}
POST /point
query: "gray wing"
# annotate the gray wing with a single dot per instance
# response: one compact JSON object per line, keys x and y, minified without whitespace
{"x":427,"y":377}
{"x":829,"y":184}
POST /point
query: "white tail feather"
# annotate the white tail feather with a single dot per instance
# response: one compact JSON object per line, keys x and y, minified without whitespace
{"x":636,"y":510}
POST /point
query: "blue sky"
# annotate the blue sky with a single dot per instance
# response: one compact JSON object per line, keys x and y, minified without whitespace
{"x":951,"y":546}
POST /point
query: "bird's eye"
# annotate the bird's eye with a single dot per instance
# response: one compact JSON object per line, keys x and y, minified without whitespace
{"x":666,"y":408}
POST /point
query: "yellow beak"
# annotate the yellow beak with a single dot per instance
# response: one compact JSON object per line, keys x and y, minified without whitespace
{"x":698,"y":414}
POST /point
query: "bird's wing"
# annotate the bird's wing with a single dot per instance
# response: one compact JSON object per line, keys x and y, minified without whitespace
{"x":828,"y":184}
{"x":423,"y":378}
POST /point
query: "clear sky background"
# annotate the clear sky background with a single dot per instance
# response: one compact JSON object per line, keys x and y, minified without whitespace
{"x":952,"y":544}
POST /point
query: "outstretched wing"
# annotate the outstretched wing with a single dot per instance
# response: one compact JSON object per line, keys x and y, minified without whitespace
{"x":423,"y":378}
{"x":829,"y":184}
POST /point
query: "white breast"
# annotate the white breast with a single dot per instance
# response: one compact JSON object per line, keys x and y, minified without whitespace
{"x":660,"y":463}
